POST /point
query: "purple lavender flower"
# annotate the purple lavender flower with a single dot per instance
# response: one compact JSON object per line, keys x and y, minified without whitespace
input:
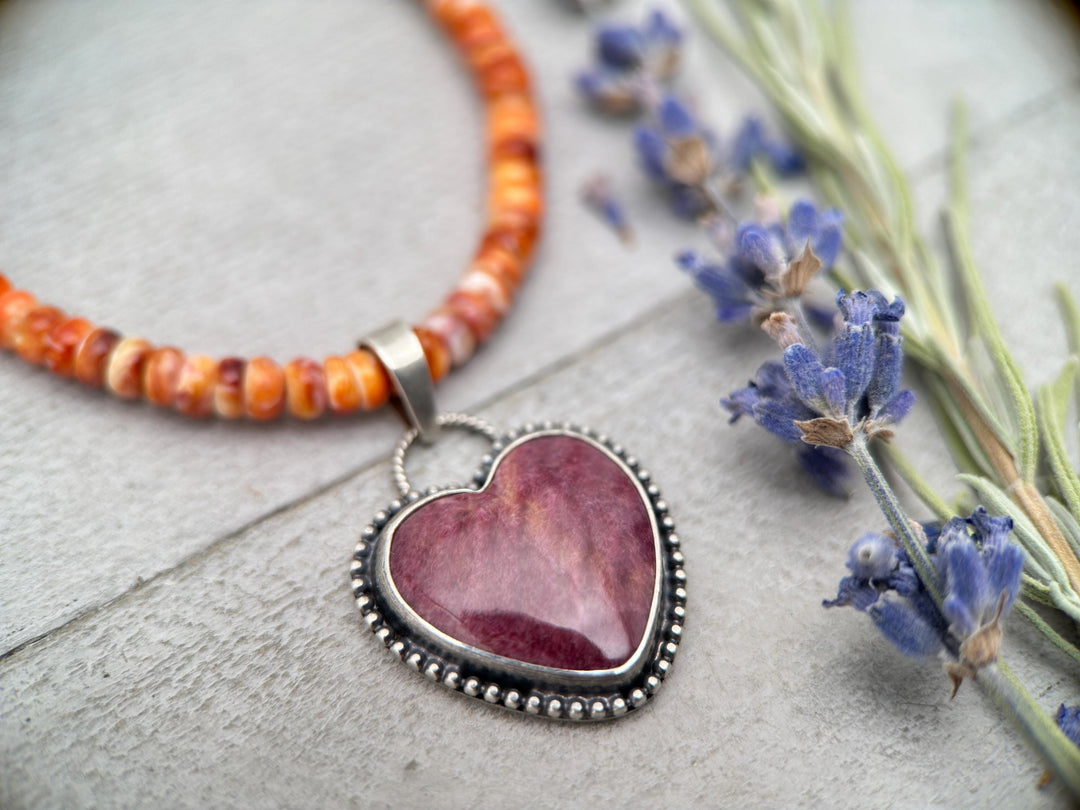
{"x":827,"y":398}
{"x":613,"y":92}
{"x":630,"y":63}
{"x":980,"y":570}
{"x":769,"y":400}
{"x":735,"y":287}
{"x":620,"y":46}
{"x":763,"y":272}
{"x":598,"y":194}
{"x":820,"y":229}
{"x":752,"y":143}
{"x":679,"y":154}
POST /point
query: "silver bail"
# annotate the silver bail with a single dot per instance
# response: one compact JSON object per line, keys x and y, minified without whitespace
{"x":399,"y":350}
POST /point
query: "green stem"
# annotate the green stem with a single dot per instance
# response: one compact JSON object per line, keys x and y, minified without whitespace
{"x":1070,"y":314}
{"x":1009,"y":694}
{"x":763,"y":182}
{"x":894,"y":513}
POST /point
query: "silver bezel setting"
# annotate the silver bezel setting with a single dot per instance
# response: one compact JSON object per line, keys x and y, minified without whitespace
{"x":511,"y":684}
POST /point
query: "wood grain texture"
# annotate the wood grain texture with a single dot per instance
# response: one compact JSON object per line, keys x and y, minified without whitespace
{"x":208,"y":174}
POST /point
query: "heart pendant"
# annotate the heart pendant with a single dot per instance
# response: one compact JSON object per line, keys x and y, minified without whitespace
{"x":554,"y":585}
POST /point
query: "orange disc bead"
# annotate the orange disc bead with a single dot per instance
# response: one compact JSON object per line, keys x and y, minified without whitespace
{"x":513,"y":118}
{"x":475,"y":311}
{"x":92,"y":357}
{"x":229,"y":388}
{"x":507,"y":172}
{"x":499,"y":264}
{"x":371,"y":378}
{"x":195,"y":386}
{"x":161,"y":375}
{"x":516,"y":147}
{"x":14,"y":306}
{"x":524,"y":225}
{"x":488,"y":287}
{"x":478,"y":34}
{"x":510,"y":245}
{"x":5,"y":285}
{"x":489,"y":55}
{"x":525,"y":199}
{"x":264,"y":389}
{"x":124,"y":375}
{"x":62,"y":345}
{"x":29,"y":336}
{"x":454,"y":334}
{"x":342,"y":387}
{"x":507,"y":75}
{"x":446,"y":12}
{"x":305,"y":388}
{"x":436,"y":352}
{"x":471,"y":15}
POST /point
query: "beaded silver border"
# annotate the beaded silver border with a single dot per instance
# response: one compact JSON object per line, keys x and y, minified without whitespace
{"x":614,"y":694}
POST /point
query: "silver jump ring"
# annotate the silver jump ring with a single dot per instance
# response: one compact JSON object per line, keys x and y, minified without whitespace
{"x":463,"y":421}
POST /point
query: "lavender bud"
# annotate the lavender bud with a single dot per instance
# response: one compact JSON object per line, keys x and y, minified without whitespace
{"x":804,"y":370}
{"x":902,"y":624}
{"x":897,"y":408}
{"x":888,"y":362}
{"x":676,"y":120}
{"x":757,"y":245}
{"x":598,"y":194}
{"x":833,"y":388}
{"x":1068,"y":720}
{"x":873,"y":556}
{"x":620,"y":46}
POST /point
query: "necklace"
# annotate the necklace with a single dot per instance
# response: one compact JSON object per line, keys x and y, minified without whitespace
{"x":552,"y":583}
{"x":260,"y":388}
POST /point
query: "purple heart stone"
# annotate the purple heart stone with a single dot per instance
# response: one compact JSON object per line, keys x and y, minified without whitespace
{"x":553,"y":563}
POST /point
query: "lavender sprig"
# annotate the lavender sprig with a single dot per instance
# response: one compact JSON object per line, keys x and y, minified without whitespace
{"x":995,"y":429}
{"x":930,"y":593}
{"x":842,"y":397}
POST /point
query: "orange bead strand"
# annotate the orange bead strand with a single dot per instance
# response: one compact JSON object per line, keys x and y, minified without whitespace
{"x":260,"y":389}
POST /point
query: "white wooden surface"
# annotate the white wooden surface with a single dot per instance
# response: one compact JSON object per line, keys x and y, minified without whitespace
{"x":175,"y":623}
